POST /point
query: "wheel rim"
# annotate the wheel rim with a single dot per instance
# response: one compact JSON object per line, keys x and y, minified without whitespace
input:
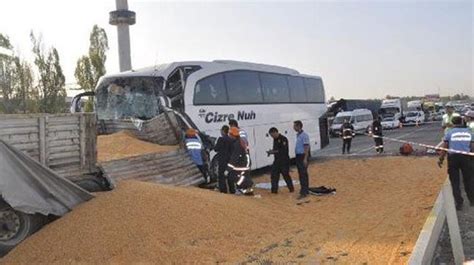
{"x":10,"y":223}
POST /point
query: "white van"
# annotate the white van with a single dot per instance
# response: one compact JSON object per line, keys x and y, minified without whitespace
{"x":361,"y":119}
{"x":414,"y":117}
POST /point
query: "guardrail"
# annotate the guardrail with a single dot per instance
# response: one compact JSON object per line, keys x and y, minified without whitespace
{"x":443,"y":210}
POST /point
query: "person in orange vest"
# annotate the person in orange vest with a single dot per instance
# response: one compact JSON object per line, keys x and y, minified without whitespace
{"x":239,"y":163}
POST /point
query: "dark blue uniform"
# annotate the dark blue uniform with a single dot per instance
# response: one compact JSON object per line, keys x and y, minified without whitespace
{"x":281,"y":164}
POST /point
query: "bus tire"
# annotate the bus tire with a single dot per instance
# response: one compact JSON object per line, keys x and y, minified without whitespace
{"x":16,"y":226}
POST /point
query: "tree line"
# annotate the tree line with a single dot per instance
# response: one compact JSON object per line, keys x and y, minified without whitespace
{"x":39,"y":86}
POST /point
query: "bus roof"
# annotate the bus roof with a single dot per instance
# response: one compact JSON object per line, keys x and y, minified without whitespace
{"x":164,"y":70}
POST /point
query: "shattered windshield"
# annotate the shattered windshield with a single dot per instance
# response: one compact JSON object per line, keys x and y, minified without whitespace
{"x":128,"y":97}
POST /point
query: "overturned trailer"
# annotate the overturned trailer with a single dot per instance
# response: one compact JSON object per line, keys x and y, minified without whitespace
{"x":43,"y":156}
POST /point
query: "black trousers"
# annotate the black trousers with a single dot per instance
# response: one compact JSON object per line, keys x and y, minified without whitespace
{"x":378,"y":144}
{"x":225,"y":183}
{"x":463,"y":163}
{"x":240,"y":183}
{"x":303,"y":174}
{"x":203,"y":169}
{"x":283,"y":168}
{"x":346,"y":145}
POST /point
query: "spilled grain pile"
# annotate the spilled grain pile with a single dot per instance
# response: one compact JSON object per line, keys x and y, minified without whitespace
{"x":123,"y":144}
{"x":380,"y":207}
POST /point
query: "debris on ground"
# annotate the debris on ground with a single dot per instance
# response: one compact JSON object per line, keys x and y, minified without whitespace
{"x":124,"y":144}
{"x":377,"y":214}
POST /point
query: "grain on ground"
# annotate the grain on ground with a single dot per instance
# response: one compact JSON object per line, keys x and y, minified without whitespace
{"x":375,"y":218}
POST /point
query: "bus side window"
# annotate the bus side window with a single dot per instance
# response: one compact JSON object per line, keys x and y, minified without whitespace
{"x":210,"y":90}
{"x":275,"y":88}
{"x":297,"y":89}
{"x":243,"y":87}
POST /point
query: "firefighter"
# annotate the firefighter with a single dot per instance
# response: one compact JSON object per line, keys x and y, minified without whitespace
{"x":461,"y":139}
{"x":377,"y":133}
{"x":302,"y":156}
{"x":239,"y":163}
{"x":281,"y":162}
{"x":470,"y":120}
{"x":223,"y":149}
{"x":347,"y":132}
{"x":447,"y":123}
{"x":195,"y":151}
{"x":242,"y":133}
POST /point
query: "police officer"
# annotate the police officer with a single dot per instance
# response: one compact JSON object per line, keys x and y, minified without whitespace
{"x":461,"y":139}
{"x":470,"y":120}
{"x":223,"y":149}
{"x":195,"y":150}
{"x":239,"y":163}
{"x":302,"y":156}
{"x":281,"y":162}
{"x":347,"y":132}
{"x":447,"y":123}
{"x":376,"y":132}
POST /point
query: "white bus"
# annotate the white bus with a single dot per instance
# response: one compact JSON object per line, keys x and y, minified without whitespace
{"x":207,"y":94}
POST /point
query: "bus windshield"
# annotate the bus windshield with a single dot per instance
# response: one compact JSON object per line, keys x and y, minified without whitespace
{"x":128,"y":97}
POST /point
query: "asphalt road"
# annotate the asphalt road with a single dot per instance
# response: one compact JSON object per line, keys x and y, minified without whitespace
{"x":430,"y":134}
{"x":362,"y":145}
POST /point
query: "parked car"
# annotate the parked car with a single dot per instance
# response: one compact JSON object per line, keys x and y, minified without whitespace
{"x":390,"y":123}
{"x":414,"y":117}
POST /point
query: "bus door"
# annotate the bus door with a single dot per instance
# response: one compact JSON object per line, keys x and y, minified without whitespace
{"x":323,"y":131}
{"x":264,"y":143}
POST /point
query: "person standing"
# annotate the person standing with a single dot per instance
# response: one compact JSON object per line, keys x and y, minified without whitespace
{"x":281,"y":162}
{"x":459,"y":139}
{"x":447,"y":122}
{"x":223,"y":150}
{"x":470,"y":120}
{"x":239,"y":163}
{"x":302,"y":156}
{"x":347,"y":132}
{"x":376,"y":132}
{"x":195,"y":150}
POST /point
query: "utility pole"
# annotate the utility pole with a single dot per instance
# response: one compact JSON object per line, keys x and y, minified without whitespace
{"x":123,"y":18}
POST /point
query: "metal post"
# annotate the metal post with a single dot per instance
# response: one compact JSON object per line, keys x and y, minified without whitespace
{"x":122,"y":18}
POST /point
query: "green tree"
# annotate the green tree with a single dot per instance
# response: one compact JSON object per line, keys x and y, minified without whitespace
{"x":26,"y":96}
{"x":6,"y":64}
{"x":91,"y":67}
{"x":51,"y":79}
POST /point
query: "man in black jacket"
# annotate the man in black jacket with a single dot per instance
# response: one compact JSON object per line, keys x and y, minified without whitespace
{"x":347,"y":132}
{"x":377,"y":133}
{"x":281,"y":164}
{"x":223,"y":149}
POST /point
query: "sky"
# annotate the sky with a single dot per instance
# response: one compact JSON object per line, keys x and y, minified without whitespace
{"x":361,"y":49}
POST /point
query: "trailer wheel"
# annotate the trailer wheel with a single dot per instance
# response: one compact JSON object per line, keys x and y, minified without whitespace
{"x":15,"y":227}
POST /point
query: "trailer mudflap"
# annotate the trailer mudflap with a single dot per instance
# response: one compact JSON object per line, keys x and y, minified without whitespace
{"x":29,"y":187}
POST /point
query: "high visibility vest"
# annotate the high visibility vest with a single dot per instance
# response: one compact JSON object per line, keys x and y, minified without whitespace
{"x":448,"y":120}
{"x":194,"y":147}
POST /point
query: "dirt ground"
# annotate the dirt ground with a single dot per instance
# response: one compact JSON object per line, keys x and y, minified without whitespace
{"x":123,"y":144}
{"x":380,"y":206}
